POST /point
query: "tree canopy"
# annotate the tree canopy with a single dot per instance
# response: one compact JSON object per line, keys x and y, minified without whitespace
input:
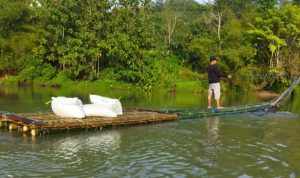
{"x":136,"y":41}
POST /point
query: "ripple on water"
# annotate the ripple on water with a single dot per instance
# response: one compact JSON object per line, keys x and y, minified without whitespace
{"x":212,"y":147}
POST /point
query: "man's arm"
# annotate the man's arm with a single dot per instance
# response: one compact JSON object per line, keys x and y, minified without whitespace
{"x":220,"y":74}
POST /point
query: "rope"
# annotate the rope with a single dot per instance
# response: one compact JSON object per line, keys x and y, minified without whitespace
{"x":284,"y":96}
{"x":266,"y":76}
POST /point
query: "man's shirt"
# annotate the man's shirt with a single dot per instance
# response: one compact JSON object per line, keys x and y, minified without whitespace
{"x":214,"y":74}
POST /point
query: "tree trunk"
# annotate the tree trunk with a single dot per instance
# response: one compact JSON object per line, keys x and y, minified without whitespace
{"x":219,"y":29}
{"x":277,"y":58}
{"x":170,"y":30}
{"x":217,"y":22}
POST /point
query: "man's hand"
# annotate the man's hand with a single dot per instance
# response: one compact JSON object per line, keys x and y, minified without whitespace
{"x":229,"y":76}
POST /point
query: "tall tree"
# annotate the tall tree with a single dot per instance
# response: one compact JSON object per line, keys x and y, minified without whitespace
{"x":73,"y":39}
{"x":130,"y":41}
{"x":276,"y":35}
{"x":18,"y":33}
{"x":173,"y":19}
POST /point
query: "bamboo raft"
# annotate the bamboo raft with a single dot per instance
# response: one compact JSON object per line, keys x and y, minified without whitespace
{"x":44,"y":123}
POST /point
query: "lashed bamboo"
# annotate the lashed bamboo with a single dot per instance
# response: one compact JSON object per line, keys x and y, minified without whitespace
{"x":49,"y":121}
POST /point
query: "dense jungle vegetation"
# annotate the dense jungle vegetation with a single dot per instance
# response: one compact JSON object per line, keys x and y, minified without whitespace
{"x":148,"y":42}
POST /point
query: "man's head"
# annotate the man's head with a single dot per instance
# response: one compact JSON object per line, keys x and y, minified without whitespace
{"x":213,"y":60}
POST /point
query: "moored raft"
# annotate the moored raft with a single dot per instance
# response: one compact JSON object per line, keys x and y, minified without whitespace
{"x":43,"y":123}
{"x":46,"y":122}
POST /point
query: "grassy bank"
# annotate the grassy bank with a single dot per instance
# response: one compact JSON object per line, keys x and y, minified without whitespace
{"x":194,"y":86}
{"x":175,"y":79}
{"x":170,"y":77}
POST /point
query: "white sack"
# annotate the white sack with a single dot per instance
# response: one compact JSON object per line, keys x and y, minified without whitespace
{"x":67,"y":107}
{"x":66,"y":101}
{"x":98,"y":110}
{"x":115,"y":104}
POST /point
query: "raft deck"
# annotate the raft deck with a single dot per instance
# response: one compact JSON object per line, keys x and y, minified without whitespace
{"x":46,"y":122}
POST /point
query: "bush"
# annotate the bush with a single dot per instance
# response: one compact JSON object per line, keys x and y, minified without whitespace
{"x":168,"y":69}
{"x":245,"y":79}
{"x":141,"y":70}
{"x":11,"y":80}
{"x":27,"y":75}
{"x":61,"y":78}
{"x":47,"y":73}
{"x":108,"y":74}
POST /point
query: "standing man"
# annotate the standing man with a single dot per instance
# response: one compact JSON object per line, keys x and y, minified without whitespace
{"x":214,"y":77}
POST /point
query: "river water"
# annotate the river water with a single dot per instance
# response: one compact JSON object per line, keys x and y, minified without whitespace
{"x":246,"y":145}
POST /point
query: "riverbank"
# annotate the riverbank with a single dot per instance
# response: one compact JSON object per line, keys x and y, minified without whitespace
{"x":183,"y":85}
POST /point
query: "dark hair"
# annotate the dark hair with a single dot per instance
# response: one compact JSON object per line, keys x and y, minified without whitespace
{"x":213,"y":58}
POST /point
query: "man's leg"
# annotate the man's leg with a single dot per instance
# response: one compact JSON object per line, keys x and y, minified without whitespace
{"x":209,"y":101}
{"x":218,"y":103}
{"x":210,"y":92}
{"x":217,"y":90}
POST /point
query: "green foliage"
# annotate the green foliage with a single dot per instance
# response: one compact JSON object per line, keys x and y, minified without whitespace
{"x":10,"y":81}
{"x":14,"y":16}
{"x":200,"y":49}
{"x":18,"y":33}
{"x":247,"y":80}
{"x":72,"y":41}
{"x":168,"y":69}
{"x":266,"y":4}
{"x":235,"y":59}
{"x":147,"y":43}
{"x":276,"y":33}
{"x":172,"y":20}
{"x":27,"y":75}
{"x":47,"y":73}
{"x":191,"y":86}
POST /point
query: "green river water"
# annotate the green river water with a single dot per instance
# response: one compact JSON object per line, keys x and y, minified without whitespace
{"x":246,"y":145}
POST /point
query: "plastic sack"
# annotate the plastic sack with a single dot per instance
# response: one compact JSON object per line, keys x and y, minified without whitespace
{"x":114,"y":104}
{"x":67,"y":107}
{"x":98,"y":110}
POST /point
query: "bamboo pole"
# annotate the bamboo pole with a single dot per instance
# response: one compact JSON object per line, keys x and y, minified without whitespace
{"x":13,"y":126}
{"x":34,"y":132}
{"x":25,"y":128}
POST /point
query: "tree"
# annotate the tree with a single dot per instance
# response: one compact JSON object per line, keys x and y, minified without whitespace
{"x":276,"y":34}
{"x":265,"y":4}
{"x":172,"y":20}
{"x":18,"y":33}
{"x":130,"y":42}
{"x":73,"y":40}
{"x":296,"y":1}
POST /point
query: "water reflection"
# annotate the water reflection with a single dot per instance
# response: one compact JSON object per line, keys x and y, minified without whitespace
{"x":32,"y":99}
{"x":230,"y":146}
{"x":257,"y":145}
{"x":213,"y":126}
{"x":104,"y":142}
